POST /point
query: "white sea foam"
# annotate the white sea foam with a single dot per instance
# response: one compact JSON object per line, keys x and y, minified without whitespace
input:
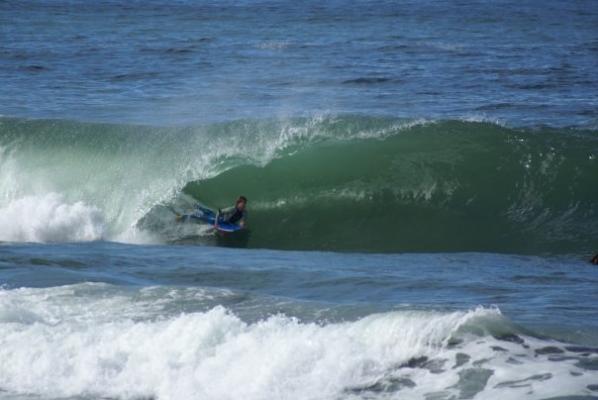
{"x":49,"y":218}
{"x":94,"y":340}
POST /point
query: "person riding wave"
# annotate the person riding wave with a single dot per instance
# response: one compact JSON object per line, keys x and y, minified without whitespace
{"x":235,"y":215}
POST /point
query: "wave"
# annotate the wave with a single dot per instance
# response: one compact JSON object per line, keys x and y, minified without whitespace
{"x":328,"y":183}
{"x":55,"y":345}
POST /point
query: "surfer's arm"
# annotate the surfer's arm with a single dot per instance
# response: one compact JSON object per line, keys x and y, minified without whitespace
{"x":243,"y":220}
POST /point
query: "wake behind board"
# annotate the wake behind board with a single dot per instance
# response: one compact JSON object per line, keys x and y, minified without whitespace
{"x":208,"y":216}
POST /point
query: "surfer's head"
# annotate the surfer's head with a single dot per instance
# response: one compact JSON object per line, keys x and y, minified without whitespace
{"x":241,"y":203}
{"x":594,"y":260}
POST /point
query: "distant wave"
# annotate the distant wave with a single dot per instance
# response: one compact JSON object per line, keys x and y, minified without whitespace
{"x":329,"y":183}
{"x":367,"y":80}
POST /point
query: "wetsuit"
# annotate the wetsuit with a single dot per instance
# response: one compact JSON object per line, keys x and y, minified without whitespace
{"x":233,"y":215}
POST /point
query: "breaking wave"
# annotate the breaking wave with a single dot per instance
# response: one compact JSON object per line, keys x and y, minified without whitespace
{"x":329,"y":183}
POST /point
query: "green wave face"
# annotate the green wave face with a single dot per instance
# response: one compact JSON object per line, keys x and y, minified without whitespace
{"x":451,"y":186}
{"x":348,"y":183}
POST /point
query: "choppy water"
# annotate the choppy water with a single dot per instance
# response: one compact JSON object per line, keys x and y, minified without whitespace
{"x":191,"y":61}
{"x":442,"y":155}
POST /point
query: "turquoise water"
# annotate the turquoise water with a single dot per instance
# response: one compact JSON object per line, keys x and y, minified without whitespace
{"x":422,"y":200}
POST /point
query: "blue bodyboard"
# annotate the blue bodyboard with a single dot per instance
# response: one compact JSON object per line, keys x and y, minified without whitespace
{"x":209,"y":217}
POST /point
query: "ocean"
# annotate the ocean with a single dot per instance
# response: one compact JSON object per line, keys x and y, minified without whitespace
{"x":422,"y":180}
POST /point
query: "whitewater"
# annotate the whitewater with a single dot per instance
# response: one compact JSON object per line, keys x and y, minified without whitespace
{"x":214,"y":354}
{"x":266,"y":324}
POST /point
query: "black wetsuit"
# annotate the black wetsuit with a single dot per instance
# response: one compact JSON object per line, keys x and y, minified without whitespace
{"x":233,"y":215}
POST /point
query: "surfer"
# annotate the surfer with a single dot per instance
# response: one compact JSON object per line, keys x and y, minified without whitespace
{"x":236,"y":214}
{"x":594,"y":259}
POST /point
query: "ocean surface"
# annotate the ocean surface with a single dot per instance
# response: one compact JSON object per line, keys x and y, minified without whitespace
{"x":423,"y":199}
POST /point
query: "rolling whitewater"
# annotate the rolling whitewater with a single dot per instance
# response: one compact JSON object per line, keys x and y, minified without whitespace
{"x":423,"y":200}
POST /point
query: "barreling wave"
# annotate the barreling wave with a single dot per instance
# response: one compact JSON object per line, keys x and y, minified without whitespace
{"x":329,"y":183}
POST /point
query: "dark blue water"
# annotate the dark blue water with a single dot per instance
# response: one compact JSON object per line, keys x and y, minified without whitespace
{"x":543,"y":292}
{"x":439,"y":133}
{"x":185,"y":62}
